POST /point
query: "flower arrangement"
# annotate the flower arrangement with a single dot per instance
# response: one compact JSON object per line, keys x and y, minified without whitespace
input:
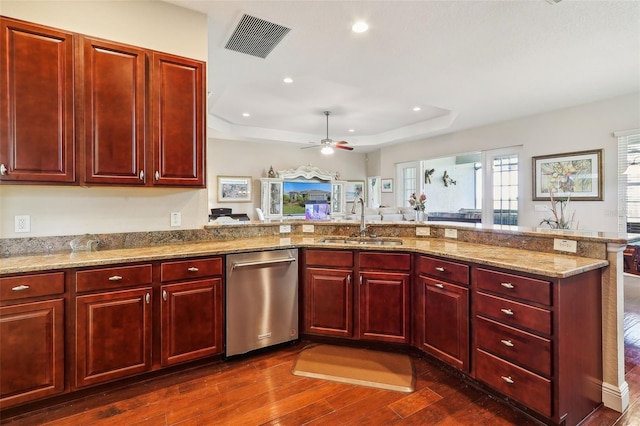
{"x":560,"y":219}
{"x":418,"y":203}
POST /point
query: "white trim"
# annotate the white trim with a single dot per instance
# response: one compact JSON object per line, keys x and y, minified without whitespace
{"x":626,"y":132}
{"x":614,"y":397}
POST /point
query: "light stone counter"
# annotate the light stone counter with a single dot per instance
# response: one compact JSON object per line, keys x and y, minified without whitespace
{"x":540,"y":263}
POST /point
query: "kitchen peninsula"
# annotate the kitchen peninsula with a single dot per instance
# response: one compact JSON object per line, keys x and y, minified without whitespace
{"x":520,"y":253}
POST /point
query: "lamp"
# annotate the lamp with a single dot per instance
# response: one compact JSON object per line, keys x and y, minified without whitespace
{"x":633,"y":169}
{"x":326,"y":150}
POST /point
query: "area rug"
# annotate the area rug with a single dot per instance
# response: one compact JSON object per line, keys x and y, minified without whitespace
{"x":357,"y":366}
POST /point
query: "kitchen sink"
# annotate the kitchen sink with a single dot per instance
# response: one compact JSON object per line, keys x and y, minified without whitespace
{"x":362,"y":241}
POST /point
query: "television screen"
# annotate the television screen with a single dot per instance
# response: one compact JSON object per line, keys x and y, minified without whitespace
{"x":296,"y":195}
{"x":316,"y":211}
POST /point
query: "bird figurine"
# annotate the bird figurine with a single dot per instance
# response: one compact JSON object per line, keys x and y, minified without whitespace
{"x":427,"y":175}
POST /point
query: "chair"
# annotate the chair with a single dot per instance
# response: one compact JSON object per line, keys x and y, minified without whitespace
{"x":260,"y":214}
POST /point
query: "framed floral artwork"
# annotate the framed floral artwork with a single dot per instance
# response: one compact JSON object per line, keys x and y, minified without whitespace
{"x":577,"y":175}
{"x":234,"y":189}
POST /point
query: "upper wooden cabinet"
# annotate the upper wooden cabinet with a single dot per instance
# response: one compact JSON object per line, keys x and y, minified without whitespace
{"x":139,"y":114}
{"x":36,"y":106}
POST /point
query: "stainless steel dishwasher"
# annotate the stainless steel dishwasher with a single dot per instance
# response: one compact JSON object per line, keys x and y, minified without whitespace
{"x":262,"y":300}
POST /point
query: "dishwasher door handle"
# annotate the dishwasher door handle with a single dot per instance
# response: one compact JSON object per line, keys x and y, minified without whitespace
{"x":262,"y":262}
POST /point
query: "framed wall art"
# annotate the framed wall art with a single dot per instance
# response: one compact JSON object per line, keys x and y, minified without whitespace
{"x":577,"y":175}
{"x":234,"y":189}
{"x":355,"y":189}
{"x":386,"y":185}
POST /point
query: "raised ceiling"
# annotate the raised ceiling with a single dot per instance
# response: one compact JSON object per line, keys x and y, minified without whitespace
{"x":465,"y":63}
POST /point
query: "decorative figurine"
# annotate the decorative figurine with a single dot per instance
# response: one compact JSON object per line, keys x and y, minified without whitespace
{"x":447,"y":180}
{"x":271,"y":173}
{"x":427,"y":175}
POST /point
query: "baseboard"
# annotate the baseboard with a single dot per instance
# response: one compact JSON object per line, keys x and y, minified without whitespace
{"x":615,"y":397}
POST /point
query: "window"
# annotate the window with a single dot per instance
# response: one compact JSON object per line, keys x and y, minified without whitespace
{"x":505,"y":190}
{"x":409,"y":183}
{"x":628,"y":184}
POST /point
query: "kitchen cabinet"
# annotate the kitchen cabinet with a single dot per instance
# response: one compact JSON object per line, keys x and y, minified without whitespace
{"x":114,"y":93}
{"x":441,"y":315}
{"x":328,"y":292}
{"x":383,"y":302}
{"x":37,"y":141}
{"x":31,"y":337}
{"x":538,"y":340}
{"x":191,"y":309}
{"x":113,"y":323}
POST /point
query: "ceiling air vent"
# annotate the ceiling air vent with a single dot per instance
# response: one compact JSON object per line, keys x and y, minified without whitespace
{"x":255,"y":36}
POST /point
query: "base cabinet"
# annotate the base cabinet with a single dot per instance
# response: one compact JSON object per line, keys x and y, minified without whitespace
{"x":384,"y":306}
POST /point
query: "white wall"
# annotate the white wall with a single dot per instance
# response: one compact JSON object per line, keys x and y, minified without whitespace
{"x":579,"y":128}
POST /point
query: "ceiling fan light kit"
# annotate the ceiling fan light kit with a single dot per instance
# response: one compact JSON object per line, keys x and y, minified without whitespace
{"x":328,"y":144}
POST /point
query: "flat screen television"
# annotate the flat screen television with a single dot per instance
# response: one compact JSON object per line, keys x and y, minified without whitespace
{"x":297,"y":193}
{"x":316,"y":210}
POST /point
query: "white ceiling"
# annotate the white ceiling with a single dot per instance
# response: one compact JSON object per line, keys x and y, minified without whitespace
{"x":466,"y":63}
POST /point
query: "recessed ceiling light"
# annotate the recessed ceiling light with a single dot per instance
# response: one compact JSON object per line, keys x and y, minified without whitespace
{"x":287,"y":80}
{"x":360,"y":27}
{"x":416,"y":108}
{"x":246,"y":114}
{"x":352,"y":130}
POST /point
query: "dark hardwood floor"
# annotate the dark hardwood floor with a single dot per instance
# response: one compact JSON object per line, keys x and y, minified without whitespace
{"x":260,"y":390}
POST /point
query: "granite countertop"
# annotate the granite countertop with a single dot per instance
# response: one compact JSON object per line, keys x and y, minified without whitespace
{"x":546,"y":264}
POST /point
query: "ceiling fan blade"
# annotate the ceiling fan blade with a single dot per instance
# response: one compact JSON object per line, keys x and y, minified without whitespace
{"x":310,"y":146}
{"x":348,"y":148}
{"x":342,"y":143}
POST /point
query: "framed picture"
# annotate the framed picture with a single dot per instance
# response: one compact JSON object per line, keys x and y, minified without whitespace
{"x":355,"y":189}
{"x":386,"y":185}
{"x":577,"y":175}
{"x":234,"y":189}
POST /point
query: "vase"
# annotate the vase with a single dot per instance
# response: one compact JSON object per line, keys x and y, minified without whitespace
{"x":420,"y":216}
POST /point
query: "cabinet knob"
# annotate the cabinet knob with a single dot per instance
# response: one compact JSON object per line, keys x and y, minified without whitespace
{"x":439,"y":285}
{"x":440,"y":269}
{"x":349,"y":279}
{"x":115,"y":278}
{"x":20,"y":287}
{"x":193,"y":269}
{"x":507,"y":343}
{"x":507,"y":379}
{"x":507,"y":285}
{"x":147,"y":298}
{"x":141,"y":175}
{"x":157,"y":175}
{"x":506,"y":311}
{"x":360,"y":279}
{"x":3,"y":169}
{"x":164,"y":295}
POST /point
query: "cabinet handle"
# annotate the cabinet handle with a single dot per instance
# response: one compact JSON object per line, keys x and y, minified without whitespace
{"x":507,"y":285}
{"x":507,"y":379}
{"x":20,"y":287}
{"x":506,"y":311}
{"x":439,"y":285}
{"x":141,"y":175}
{"x":349,"y":279}
{"x":3,"y":169}
{"x":360,"y":279}
{"x":147,"y":298}
{"x":115,"y":278}
{"x":440,"y":269}
{"x":164,"y":295}
{"x":157,"y":175}
{"x":507,"y":343}
{"x":193,"y":269}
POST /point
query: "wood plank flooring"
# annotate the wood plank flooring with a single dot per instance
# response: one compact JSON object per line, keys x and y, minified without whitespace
{"x":260,"y":390}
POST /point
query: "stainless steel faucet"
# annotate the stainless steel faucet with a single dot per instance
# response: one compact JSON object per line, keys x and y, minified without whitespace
{"x":363,"y":226}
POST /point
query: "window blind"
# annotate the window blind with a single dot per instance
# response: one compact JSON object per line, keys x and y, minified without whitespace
{"x":628,"y":185}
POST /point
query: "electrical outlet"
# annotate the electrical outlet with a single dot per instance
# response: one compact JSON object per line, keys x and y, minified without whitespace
{"x":176,"y":219}
{"x":285,"y":229}
{"x":569,"y":246}
{"x":423,"y":231}
{"x":22,"y":223}
{"x":451,"y":233}
{"x":308,"y":228}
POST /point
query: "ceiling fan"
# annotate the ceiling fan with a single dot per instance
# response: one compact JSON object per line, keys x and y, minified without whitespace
{"x":328,"y":144}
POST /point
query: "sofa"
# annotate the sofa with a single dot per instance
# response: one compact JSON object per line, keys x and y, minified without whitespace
{"x":387,"y":214}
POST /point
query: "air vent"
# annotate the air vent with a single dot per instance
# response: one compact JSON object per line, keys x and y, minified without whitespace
{"x":255,"y":36}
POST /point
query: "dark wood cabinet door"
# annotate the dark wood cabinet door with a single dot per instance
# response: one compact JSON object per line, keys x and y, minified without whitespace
{"x":445,"y":332}
{"x":384,"y":306}
{"x":328,"y":299}
{"x":32,"y":351}
{"x":113,"y":335}
{"x":191,"y":320}
{"x":114,"y":99}
{"x":177,"y":120}
{"x":36,"y":106}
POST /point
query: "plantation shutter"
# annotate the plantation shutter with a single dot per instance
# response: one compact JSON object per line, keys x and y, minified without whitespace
{"x":628,"y":184}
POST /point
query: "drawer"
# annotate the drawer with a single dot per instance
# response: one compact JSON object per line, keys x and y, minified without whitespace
{"x":36,"y":285}
{"x":526,"y":349}
{"x":189,"y":269}
{"x":522,"y":385}
{"x":510,"y":285}
{"x":514,"y":313}
{"x":339,"y":258}
{"x":112,"y":278}
{"x":444,"y":270}
{"x":385,"y":261}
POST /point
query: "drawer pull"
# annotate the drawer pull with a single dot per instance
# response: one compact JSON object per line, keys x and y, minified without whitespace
{"x":164,"y":295}
{"x":440,"y":269}
{"x":20,"y":287}
{"x":147,"y":298}
{"x":193,"y":269}
{"x":115,"y":278}
{"x":506,"y":311}
{"x":507,"y":379}
{"x":507,"y":285}
{"x":507,"y":343}
{"x":349,"y":279}
{"x":439,"y":285}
